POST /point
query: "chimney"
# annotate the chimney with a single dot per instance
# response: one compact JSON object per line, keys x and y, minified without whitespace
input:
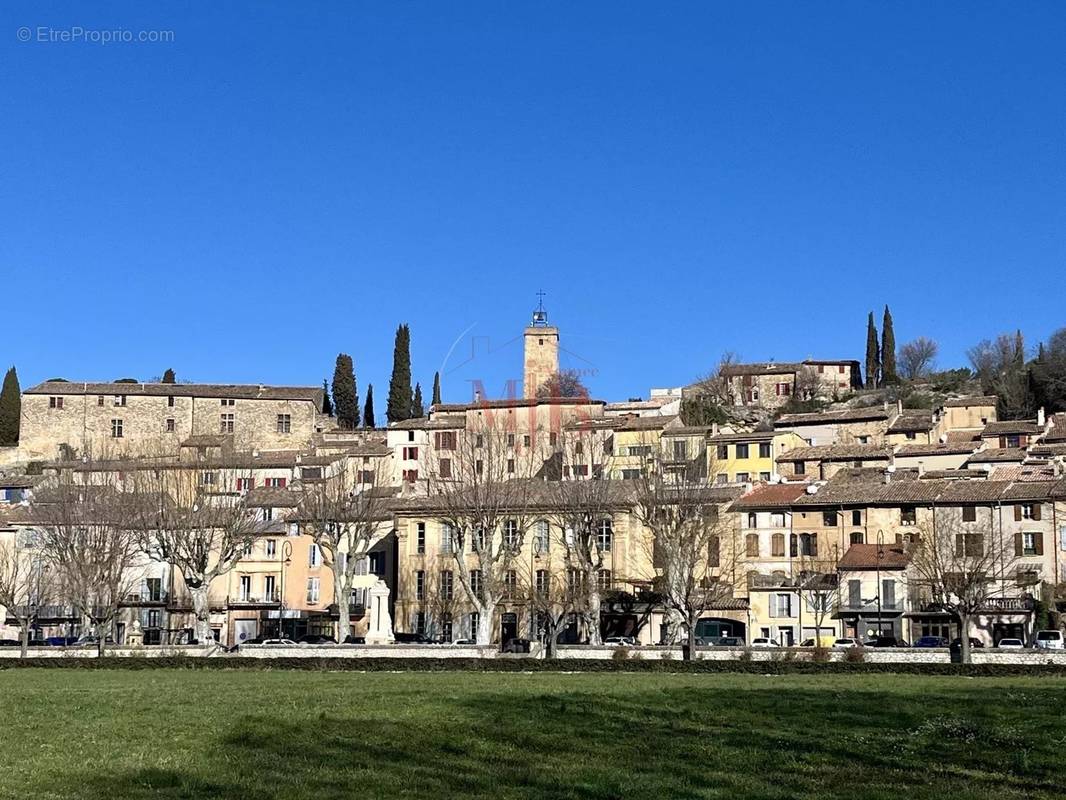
{"x":477,"y":396}
{"x":1040,"y":418}
{"x":255,"y":453}
{"x":899,"y":405}
{"x":921,"y":468}
{"x":714,"y":429}
{"x":888,"y":474}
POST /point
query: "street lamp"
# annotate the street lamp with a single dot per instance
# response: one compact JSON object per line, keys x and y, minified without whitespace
{"x":880,"y":555}
{"x":286,"y":558}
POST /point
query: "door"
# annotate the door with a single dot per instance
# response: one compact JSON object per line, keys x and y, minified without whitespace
{"x":508,"y":627}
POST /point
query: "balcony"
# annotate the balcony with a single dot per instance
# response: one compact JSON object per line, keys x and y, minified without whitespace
{"x":255,"y":600}
{"x":1009,"y":605}
{"x":146,"y":596}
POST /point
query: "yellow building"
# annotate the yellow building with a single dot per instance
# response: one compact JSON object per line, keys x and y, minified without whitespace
{"x":747,"y":457}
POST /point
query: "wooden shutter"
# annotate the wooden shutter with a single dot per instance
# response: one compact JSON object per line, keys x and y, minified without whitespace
{"x":1038,"y":542}
{"x":959,"y":545}
{"x":792,"y":545}
{"x":1017,"y":513}
{"x":1036,"y":510}
{"x":814,"y":545}
{"x":1018,"y":544}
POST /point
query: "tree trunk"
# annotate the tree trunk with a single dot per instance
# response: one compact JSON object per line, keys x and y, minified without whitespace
{"x":201,"y":608}
{"x":484,"y":622}
{"x":342,"y":594}
{"x":24,"y":638}
{"x":964,"y":638}
{"x":101,"y":638}
{"x":592,"y":618}
{"x":690,"y":640}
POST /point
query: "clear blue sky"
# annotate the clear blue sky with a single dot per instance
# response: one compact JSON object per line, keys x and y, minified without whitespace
{"x":284,"y":181}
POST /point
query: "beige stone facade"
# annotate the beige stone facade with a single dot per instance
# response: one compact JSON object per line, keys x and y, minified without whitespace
{"x":62,"y":418}
{"x":541,"y":357}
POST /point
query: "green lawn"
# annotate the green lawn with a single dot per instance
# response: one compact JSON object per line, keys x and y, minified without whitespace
{"x":260,"y":735}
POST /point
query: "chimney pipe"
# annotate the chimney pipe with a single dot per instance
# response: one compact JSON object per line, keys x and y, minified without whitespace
{"x":1040,"y":418}
{"x":921,"y":468}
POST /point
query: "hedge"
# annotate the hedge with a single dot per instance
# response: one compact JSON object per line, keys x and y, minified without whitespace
{"x":325,"y":664}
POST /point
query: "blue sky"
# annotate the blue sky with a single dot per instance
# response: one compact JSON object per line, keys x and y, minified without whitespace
{"x":285,"y":181}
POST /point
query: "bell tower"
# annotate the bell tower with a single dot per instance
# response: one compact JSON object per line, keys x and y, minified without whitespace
{"x":541,"y":351}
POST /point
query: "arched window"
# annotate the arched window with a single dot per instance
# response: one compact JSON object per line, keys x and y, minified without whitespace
{"x":777,"y":543}
{"x":751,"y":545}
{"x":604,"y":534}
{"x":857,"y":537}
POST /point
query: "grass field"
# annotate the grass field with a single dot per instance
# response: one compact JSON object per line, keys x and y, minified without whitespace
{"x":171,"y":733}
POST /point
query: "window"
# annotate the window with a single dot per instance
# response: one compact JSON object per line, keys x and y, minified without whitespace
{"x":247,"y":550}
{"x":313,"y":585}
{"x":751,"y":520}
{"x":1032,"y":544}
{"x":803,"y":544}
{"x":510,"y":583}
{"x":477,"y":541}
{"x":170,"y":401}
{"x":410,"y":475}
{"x":526,"y":441}
{"x":777,"y":520}
{"x":854,"y":594}
{"x":116,"y":429}
{"x":781,"y":605}
{"x":829,"y":519}
{"x":447,"y":538}
{"x":542,"y":582}
{"x":639,"y":450}
{"x":270,"y":592}
{"x":969,"y":545}
{"x":603,"y":580}
{"x":208,"y":478}
{"x":1028,"y":511}
{"x":56,"y":403}
{"x":244,"y":484}
{"x":228,"y":401}
{"x":410,"y":436}
{"x":479,"y":466}
{"x":475,"y":582}
{"x":722,"y":478}
{"x":888,"y":593}
{"x":1027,"y":576}
{"x":446,"y":626}
{"x":912,"y":435}
{"x":245,"y":590}
{"x":420,"y":540}
{"x":445,"y":468}
{"x":908,"y":516}
{"x":100,"y":400}
{"x":120,"y":400}
{"x":510,"y":466}
{"x":723,"y":451}
{"x":751,"y":545}
{"x":445,"y":440}
{"x":314,"y":555}
{"x":511,"y":538}
{"x":284,"y":423}
{"x":799,"y":467}
{"x":479,"y":441}
{"x":969,"y":513}
{"x":271,"y":548}
{"x":604,"y":535}
{"x":510,"y":440}
{"x":742,"y":451}
{"x":226,"y":423}
{"x":764,"y":476}
{"x":764,"y":450}
{"x":418,"y":622}
{"x":171,"y":425}
{"x":410,"y":454}
{"x":856,"y":517}
{"x":446,"y":584}
{"x":777,"y":545}
{"x":1013,"y":441}
{"x":742,"y":477}
{"x":475,"y":619}
{"x":541,"y":537}
{"x":274,"y":483}
{"x":856,"y":537}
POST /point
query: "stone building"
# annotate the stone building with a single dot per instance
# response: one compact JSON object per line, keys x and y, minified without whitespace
{"x":64,"y":419}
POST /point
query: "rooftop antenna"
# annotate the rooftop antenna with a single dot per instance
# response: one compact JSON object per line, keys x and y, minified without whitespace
{"x":540,"y":316}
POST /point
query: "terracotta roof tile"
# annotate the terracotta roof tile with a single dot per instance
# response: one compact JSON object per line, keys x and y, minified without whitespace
{"x":865,"y":556}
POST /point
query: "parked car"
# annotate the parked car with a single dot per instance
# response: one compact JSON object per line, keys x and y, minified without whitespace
{"x":844,"y":643}
{"x":517,"y":646}
{"x":931,"y":641}
{"x":465,"y":641}
{"x":1049,"y":640}
{"x":10,"y":643}
{"x":620,"y":641}
{"x":762,"y":641}
{"x":956,"y":643}
{"x":729,"y":641}
{"x":821,"y":641}
{"x":349,"y":639}
{"x":885,"y":641}
{"x":316,"y":638}
{"x":411,"y":638}
{"x":1011,"y":644}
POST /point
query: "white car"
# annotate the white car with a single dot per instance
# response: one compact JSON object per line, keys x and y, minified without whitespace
{"x":620,"y":641}
{"x":762,"y":641}
{"x":1011,"y":644}
{"x":1049,"y":640}
{"x":844,"y":643}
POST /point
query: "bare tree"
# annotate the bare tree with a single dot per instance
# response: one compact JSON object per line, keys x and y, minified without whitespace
{"x":346,"y":514}
{"x":962,"y":566}
{"x":917,"y":358}
{"x":480,"y":484}
{"x":818,"y":591}
{"x":687,"y":528}
{"x":1001,"y":368}
{"x":87,"y":539}
{"x":201,"y":530}
{"x":25,"y":582}
{"x":552,"y":595}
{"x":565,"y":383}
{"x":715,"y":386}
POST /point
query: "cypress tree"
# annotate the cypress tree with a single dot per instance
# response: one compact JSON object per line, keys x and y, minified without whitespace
{"x":345,"y":398}
{"x":873,"y":354}
{"x":436,"y":389}
{"x":169,"y":376}
{"x":888,"y":350}
{"x":417,"y":406}
{"x":10,"y":409}
{"x":400,"y":393}
{"x":327,"y":406}
{"x":368,"y":410}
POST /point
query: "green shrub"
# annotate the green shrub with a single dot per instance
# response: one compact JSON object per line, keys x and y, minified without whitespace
{"x":854,"y":655}
{"x":620,"y":654}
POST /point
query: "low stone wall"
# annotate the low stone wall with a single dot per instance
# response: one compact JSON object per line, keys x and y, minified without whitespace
{"x":368,"y":651}
{"x":193,"y":651}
